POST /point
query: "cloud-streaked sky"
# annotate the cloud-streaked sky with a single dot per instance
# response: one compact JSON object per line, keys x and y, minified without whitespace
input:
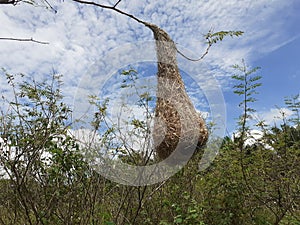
{"x":81,"y":36}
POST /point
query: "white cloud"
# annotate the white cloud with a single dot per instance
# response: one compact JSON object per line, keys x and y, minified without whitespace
{"x":253,"y":137}
{"x":80,"y":36}
{"x":185,"y":20}
{"x":273,"y":116}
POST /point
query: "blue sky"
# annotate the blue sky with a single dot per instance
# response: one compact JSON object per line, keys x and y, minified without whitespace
{"x":82,"y":37}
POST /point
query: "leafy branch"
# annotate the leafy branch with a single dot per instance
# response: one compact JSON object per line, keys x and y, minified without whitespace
{"x":246,"y":88}
{"x":212,"y":38}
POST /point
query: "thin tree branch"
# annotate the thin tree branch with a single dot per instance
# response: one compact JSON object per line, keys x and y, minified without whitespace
{"x":210,"y":43}
{"x":142,"y":22}
{"x":195,"y":60}
{"x":117,"y":3}
{"x":111,"y":8}
{"x":13,"y":2}
{"x":23,"y":39}
{"x":50,"y":6}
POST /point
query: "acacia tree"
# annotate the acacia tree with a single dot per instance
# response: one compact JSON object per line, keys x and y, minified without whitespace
{"x":46,"y":180}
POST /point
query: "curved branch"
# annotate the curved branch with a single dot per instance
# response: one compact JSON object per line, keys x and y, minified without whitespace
{"x":196,"y":60}
{"x":111,"y":8}
{"x":142,"y":22}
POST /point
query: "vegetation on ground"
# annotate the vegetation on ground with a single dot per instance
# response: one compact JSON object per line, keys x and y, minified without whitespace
{"x":45,"y":179}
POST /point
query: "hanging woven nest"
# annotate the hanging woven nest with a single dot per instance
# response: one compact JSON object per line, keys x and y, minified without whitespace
{"x":177,"y":126}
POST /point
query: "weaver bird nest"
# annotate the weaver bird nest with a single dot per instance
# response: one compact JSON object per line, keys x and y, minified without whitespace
{"x":176,"y":120}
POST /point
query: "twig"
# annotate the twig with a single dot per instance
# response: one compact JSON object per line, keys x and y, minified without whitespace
{"x":111,"y":8}
{"x":117,"y":4}
{"x":13,"y":2}
{"x":50,"y":6}
{"x":153,"y":192}
{"x":24,"y":39}
{"x":195,"y":60}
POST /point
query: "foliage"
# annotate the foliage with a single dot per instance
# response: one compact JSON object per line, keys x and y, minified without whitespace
{"x":219,"y":36}
{"x":246,"y":87}
{"x":45,"y":179}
